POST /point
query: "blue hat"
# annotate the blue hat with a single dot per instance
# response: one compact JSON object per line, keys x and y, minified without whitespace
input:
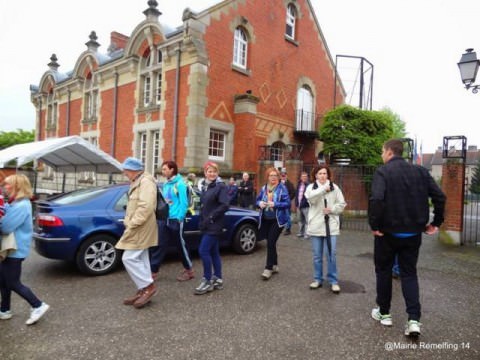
{"x":132,"y":164}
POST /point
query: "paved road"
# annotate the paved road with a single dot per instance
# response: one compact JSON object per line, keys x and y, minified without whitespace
{"x":251,"y":318}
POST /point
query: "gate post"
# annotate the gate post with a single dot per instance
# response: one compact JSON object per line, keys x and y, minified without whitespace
{"x":453,"y":185}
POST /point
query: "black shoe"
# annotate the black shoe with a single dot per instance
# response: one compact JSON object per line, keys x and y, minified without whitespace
{"x":287,"y":232}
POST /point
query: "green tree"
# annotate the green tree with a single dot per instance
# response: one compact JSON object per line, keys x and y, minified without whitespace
{"x":356,"y":134}
{"x":398,"y":125}
{"x":9,"y":138}
{"x":475,"y":185}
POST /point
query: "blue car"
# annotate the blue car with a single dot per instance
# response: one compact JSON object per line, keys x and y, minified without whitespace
{"x":83,"y":227}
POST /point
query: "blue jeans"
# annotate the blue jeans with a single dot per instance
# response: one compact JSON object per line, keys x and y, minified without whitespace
{"x":209,"y":251}
{"x":319,"y":244}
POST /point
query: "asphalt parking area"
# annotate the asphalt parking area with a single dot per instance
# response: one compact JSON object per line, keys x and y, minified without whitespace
{"x":250,"y":319}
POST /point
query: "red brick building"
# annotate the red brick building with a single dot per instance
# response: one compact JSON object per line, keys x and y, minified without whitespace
{"x":244,"y":83}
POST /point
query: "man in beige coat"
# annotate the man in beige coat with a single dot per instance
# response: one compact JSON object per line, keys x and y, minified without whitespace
{"x":141,"y":231}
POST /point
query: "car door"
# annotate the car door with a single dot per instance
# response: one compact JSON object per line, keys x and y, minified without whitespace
{"x":191,"y":232}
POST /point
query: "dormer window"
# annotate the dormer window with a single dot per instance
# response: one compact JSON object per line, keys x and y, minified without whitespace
{"x":151,"y":78}
{"x":90,"y":99}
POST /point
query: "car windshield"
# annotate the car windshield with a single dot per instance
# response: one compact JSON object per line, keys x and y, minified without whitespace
{"x":78,"y":196}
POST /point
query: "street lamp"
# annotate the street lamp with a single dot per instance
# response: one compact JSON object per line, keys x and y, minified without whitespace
{"x":468,"y":66}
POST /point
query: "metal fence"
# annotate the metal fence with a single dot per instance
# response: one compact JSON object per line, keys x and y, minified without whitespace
{"x":471,"y":218}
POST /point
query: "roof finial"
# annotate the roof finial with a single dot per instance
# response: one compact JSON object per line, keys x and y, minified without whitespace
{"x":92,"y":44}
{"x":152,"y":12}
{"x":53,"y":64}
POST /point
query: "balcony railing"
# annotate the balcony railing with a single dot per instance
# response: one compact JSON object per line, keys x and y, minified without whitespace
{"x":306,"y":123}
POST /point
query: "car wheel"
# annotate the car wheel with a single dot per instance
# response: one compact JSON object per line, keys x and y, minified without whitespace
{"x":245,"y":239}
{"x":97,"y":255}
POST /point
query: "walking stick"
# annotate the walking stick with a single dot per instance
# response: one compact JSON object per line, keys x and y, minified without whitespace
{"x":327,"y":224}
{"x":327,"y":228}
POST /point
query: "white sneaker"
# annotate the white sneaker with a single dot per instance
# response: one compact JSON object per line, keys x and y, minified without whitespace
{"x":412,"y":328}
{"x":336,"y":288}
{"x":315,"y":285}
{"x":37,"y":313}
{"x":5,"y":315}
{"x":275,"y":269}
{"x":267,"y":274}
{"x":385,"y":320}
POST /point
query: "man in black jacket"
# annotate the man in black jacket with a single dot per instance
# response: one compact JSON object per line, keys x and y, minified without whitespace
{"x":245,"y":191}
{"x":398,"y":214}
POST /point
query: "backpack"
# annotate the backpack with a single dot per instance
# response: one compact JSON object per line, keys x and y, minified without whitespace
{"x":162,"y":209}
{"x":191,"y":194}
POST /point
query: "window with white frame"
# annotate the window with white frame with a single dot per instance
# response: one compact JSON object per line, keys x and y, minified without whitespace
{"x":142,"y":146}
{"x":216,"y":145}
{"x":240,"y":47}
{"x":52,"y":110}
{"x":151,"y":77}
{"x":148,"y":149}
{"x":277,"y":151}
{"x":305,"y":113}
{"x":147,"y":85}
{"x":155,"y":150}
{"x":290,"y":22}
{"x":90,"y":99}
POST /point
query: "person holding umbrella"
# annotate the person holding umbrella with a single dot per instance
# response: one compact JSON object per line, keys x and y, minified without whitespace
{"x":326,"y":204}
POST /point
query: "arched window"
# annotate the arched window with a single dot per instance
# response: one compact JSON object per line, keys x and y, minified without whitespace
{"x":52,"y":110}
{"x":290,"y":22}
{"x":240,"y":47}
{"x":305,"y":113}
{"x":90,"y":98}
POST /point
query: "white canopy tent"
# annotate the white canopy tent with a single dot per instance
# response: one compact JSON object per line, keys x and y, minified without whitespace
{"x":67,"y":154}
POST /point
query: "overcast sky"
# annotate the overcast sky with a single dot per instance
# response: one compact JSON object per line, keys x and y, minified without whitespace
{"x":414,"y":46}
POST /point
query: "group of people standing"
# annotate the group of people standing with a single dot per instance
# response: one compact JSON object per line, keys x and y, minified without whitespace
{"x":144,"y":250}
{"x":399,"y":211}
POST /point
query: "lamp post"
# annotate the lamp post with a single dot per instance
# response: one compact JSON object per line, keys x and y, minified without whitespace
{"x":468,"y":66}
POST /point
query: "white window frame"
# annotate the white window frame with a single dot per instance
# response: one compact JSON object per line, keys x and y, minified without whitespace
{"x":52,"y":111}
{"x":217,"y":146}
{"x":142,"y":146}
{"x":240,"y":48}
{"x":151,"y":78}
{"x":90,"y":99}
{"x":277,"y":152}
{"x":290,"y":22}
{"x":305,"y":117}
{"x":155,"y":150}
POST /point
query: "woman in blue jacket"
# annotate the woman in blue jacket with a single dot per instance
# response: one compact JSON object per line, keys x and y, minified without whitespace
{"x":214,"y":204}
{"x":18,"y":220}
{"x":274,"y":203}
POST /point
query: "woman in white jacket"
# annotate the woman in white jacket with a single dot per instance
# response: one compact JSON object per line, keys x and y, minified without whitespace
{"x":326,"y":204}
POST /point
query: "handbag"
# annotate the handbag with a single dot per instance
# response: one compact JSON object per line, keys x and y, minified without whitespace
{"x":162,"y":209}
{"x":8,"y":244}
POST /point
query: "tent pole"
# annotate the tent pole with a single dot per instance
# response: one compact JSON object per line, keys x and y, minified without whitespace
{"x":63,"y":182}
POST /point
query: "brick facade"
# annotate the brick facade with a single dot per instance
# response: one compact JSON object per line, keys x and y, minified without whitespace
{"x":200,"y":88}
